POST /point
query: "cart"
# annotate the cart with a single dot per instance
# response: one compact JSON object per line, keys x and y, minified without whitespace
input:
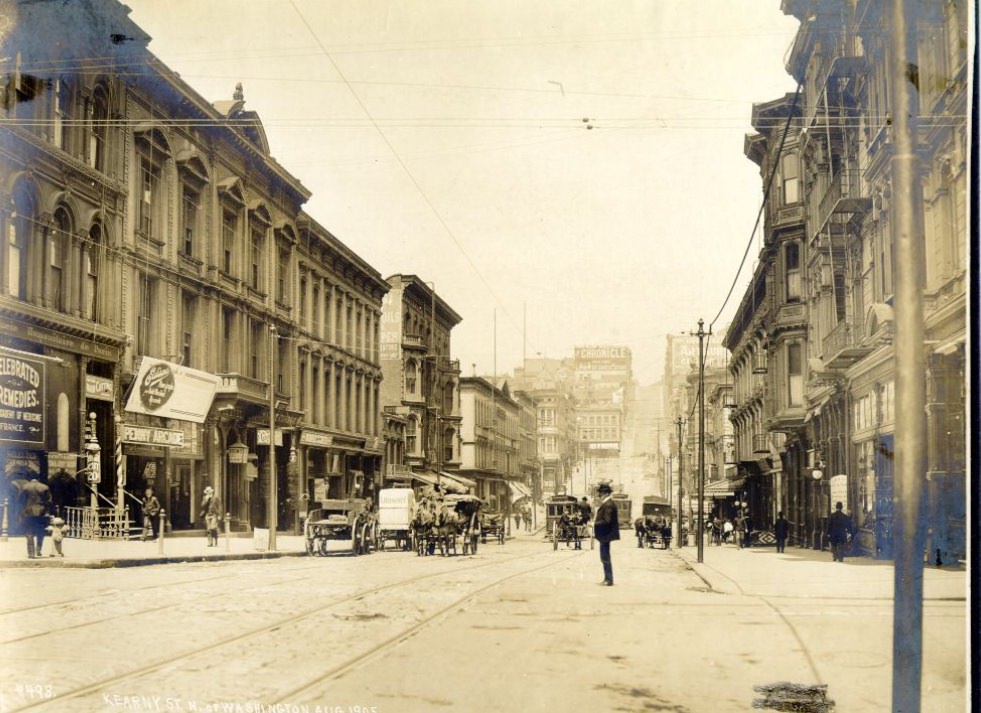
{"x":396,"y":508}
{"x":340,"y":526}
{"x":492,"y":526}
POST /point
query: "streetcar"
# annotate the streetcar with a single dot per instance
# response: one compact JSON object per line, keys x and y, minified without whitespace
{"x":624,"y":508}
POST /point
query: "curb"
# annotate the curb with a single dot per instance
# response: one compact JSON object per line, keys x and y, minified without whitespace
{"x":108,"y":563}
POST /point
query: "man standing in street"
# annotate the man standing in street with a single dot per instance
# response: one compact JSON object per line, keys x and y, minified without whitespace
{"x":839,"y":528}
{"x":780,"y":529}
{"x":606,"y":528}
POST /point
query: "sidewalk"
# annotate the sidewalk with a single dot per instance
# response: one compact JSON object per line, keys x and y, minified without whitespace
{"x":798,"y":572}
{"x":99,"y":554}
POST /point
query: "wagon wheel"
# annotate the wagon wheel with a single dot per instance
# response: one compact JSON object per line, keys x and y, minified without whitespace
{"x":375,"y":535}
{"x":367,"y":538}
{"x":474,"y":538}
{"x":555,"y":536}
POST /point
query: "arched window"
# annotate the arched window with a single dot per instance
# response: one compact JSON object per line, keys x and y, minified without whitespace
{"x":58,"y":244}
{"x":90,"y":278}
{"x":21,"y":226}
{"x":411,"y":374}
{"x":96,"y":120}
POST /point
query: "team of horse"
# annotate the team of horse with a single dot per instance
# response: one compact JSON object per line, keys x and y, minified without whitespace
{"x":440,"y":521}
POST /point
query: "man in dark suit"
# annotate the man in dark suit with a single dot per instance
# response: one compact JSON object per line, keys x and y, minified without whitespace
{"x":780,"y":529}
{"x":839,"y":528}
{"x":606,"y":527}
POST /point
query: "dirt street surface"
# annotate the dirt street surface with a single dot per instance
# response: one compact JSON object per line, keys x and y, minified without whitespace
{"x":515,"y":627}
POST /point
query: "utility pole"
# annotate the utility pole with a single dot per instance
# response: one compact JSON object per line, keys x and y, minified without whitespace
{"x":911,"y":426}
{"x":679,"y":422}
{"x":701,"y":334}
{"x":271,"y":505}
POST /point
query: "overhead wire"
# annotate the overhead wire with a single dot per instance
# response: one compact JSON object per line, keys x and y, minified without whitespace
{"x":763,"y":205}
{"x":405,"y":168}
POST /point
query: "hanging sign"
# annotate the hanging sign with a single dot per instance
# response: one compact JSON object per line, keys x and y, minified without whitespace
{"x":170,"y":390}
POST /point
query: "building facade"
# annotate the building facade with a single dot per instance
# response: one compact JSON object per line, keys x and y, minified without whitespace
{"x":156,"y":252}
{"x":422,"y":381}
{"x":491,"y":438}
{"x":824,"y":399}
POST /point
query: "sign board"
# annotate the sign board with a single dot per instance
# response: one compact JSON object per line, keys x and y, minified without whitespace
{"x":170,"y":390}
{"x":262,"y":436}
{"x":22,"y":382}
{"x":98,"y":387}
{"x":260,"y":539}
{"x":839,"y":491}
{"x":151,"y":435}
{"x":59,"y":461}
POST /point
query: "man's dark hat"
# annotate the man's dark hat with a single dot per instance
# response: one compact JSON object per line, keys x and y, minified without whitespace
{"x":604,"y":488}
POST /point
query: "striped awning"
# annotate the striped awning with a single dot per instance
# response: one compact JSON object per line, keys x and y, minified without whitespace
{"x":723,"y":488}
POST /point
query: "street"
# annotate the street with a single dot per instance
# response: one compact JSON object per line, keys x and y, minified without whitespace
{"x":518,"y":626}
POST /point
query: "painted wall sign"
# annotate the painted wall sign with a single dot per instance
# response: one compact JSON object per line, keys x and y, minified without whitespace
{"x":22,"y":382}
{"x":170,"y":390}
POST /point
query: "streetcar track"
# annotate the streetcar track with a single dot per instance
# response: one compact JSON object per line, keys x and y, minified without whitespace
{"x":342,"y":668}
{"x":132,"y":590}
{"x":267,"y":628}
{"x":151,"y":610}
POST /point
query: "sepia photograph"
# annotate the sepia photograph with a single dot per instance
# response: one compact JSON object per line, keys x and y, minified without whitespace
{"x":350,"y":350}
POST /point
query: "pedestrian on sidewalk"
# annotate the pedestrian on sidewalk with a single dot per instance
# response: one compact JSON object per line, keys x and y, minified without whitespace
{"x":211,"y":511}
{"x":606,"y":528}
{"x":727,"y":531}
{"x":839,"y":531}
{"x":747,"y":528}
{"x":780,"y":529}
{"x":151,"y":515}
{"x":36,"y":499}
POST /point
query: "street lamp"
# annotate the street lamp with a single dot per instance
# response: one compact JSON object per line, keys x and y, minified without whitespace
{"x":93,"y":463}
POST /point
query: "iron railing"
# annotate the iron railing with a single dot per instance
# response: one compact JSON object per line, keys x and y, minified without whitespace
{"x":105,"y":523}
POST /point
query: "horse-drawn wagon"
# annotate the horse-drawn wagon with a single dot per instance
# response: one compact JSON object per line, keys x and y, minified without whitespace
{"x":340,"y":526}
{"x":446,"y":522}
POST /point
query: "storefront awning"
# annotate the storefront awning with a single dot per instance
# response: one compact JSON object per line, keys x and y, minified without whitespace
{"x":424,"y":477}
{"x":723,"y":488}
{"x":458,"y":479}
{"x":518,"y":491}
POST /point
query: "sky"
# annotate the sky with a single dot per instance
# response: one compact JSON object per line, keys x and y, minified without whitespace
{"x":565,"y":173}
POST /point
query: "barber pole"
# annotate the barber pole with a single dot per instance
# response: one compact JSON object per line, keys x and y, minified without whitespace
{"x":120,"y":467}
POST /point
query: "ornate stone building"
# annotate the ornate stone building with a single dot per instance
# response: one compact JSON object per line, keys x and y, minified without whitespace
{"x":148,"y":230}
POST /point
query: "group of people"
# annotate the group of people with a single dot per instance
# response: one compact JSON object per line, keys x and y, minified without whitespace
{"x":38,"y":519}
{"x":606,"y":529}
{"x":522,"y":517}
{"x":722,"y":531}
{"x":649,"y":528}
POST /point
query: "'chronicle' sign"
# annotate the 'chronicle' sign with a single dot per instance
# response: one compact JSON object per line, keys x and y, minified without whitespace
{"x":21,"y":399}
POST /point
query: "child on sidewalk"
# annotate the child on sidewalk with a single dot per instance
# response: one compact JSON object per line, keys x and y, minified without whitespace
{"x":56,"y":528}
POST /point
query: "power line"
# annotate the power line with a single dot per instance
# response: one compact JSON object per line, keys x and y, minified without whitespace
{"x":759,"y":214}
{"x":404,"y":167}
